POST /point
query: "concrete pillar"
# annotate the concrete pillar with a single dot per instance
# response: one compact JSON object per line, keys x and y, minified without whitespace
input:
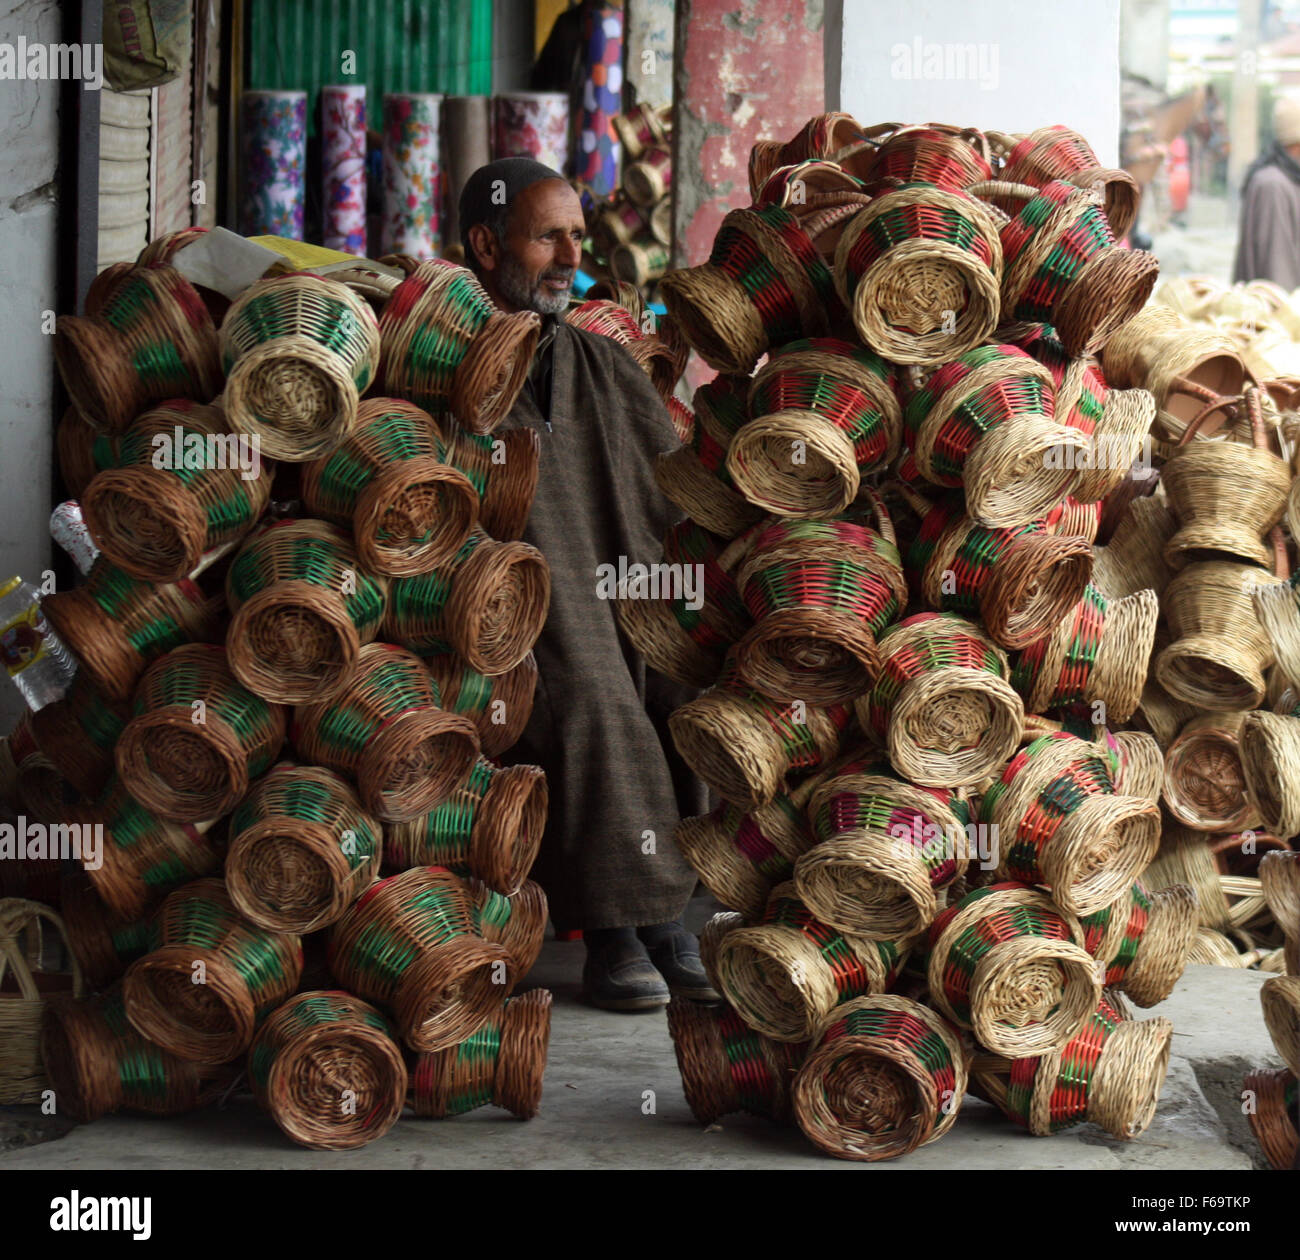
{"x":29,"y":169}
{"x":993,"y":64}
{"x":744,"y":70}
{"x":648,"y":52}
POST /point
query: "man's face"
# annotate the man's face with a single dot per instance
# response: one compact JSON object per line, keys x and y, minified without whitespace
{"x":543,"y":248}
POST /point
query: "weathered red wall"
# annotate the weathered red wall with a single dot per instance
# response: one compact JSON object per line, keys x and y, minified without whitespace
{"x":745,"y":70}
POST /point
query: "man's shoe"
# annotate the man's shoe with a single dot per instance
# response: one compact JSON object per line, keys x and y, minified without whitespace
{"x":676,"y":955}
{"x":618,"y":975}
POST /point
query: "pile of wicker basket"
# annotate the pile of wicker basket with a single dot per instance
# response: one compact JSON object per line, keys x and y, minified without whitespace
{"x":632,"y":231}
{"x":978,"y":677}
{"x":304,"y":646}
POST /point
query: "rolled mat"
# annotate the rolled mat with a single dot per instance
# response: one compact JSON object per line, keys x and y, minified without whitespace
{"x":412,"y":174}
{"x":532,"y":124}
{"x":466,"y":145}
{"x":598,"y":148}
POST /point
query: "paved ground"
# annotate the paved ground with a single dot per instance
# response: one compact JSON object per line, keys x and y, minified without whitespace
{"x":592,"y":1114}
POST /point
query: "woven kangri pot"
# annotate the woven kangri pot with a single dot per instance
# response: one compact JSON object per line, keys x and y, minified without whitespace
{"x":789,"y":970}
{"x":502,"y":468}
{"x":821,"y":594}
{"x":1072,"y":519}
{"x":387,"y":733}
{"x":1097,"y":655}
{"x":152,"y":339}
{"x":302,"y":607}
{"x":615,"y":321}
{"x":144,"y":856}
{"x":1109,"y":1074}
{"x":1277,"y":606}
{"x":1056,"y":152}
{"x":1061,"y":265}
{"x":1280,"y":998}
{"x":1227,"y":903}
{"x":822,"y":195}
{"x":1006,"y":962}
{"x":1133,"y":559}
{"x":390,"y":482}
{"x":29,"y":781}
{"x":326,"y":1066}
{"x":836,"y":136}
{"x":1116,"y":422}
{"x":299,"y":351}
{"x":247,"y":972}
{"x":642,"y":128}
{"x":490,"y":827}
{"x":743,"y":744}
{"x":1142,"y":940}
{"x":115,"y":624}
{"x":695,"y":476}
{"x":102,"y":943}
{"x":885,"y":851}
{"x":82,"y":451}
{"x":727,"y":1067}
{"x":649,"y":179}
{"x":178,"y":489}
{"x":447,"y":346}
{"x":943,"y":703}
{"x":1061,"y":823}
{"x":501,"y":1064}
{"x":488,"y":604}
{"x":739,"y":855}
{"x":710,"y":938}
{"x":302,"y":850}
{"x":499,"y":705}
{"x":944,"y":156}
{"x":1272,"y":1117}
{"x":1020,"y":583}
{"x":78,"y":733}
{"x":198,"y":737}
{"x":1205,"y":777}
{"x":517,"y":922}
{"x":22,"y":1007}
{"x":1138,"y":764}
{"x":688,"y":644}
{"x":985,"y":421}
{"x":825,"y":415}
{"x":764,"y":284}
{"x":884,"y":1076}
{"x":411,"y":945}
{"x":1279,"y":877}
{"x":918,"y":270}
{"x":1220,"y":648}
{"x":98,"y":1064}
{"x":1226,"y":495}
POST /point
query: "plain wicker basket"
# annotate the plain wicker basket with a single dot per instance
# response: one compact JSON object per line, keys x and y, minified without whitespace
{"x":327,"y":1068}
{"x":884,"y":1075}
{"x":1206,"y":781}
{"x":22,"y":1072}
{"x":502,"y":1063}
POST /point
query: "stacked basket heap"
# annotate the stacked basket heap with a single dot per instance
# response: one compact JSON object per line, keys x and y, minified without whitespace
{"x":981,"y":694}
{"x":290,"y":707}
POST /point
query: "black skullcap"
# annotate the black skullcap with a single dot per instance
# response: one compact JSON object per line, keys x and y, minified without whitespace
{"x":476,"y":204}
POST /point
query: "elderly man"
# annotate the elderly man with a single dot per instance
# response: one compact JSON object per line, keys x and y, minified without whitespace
{"x":599,"y":723}
{"x":1268,"y":247}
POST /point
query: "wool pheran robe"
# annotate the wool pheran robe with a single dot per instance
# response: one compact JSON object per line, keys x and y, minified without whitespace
{"x":599,"y":722}
{"x":1268,"y":246}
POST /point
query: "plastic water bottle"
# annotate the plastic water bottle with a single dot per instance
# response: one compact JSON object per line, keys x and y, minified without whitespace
{"x":34,"y":656}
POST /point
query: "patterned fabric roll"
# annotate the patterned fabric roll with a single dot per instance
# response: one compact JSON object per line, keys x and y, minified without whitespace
{"x":343,"y":167}
{"x":412,"y":174}
{"x":273,"y":163}
{"x":598,"y":147}
{"x":532,"y":124}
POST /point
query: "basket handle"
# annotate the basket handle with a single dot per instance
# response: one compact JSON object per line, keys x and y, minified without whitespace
{"x":884,"y":523}
{"x":973,"y":136}
{"x":1227,"y":403}
{"x":822,"y":220}
{"x":1003,"y":142}
{"x":15,"y":914}
{"x":1000,"y":188}
{"x":912,"y":497}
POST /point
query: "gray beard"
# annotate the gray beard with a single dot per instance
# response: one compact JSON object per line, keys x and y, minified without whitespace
{"x":512,"y":281}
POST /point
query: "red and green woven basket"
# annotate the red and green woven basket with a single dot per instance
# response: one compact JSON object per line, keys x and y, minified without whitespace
{"x":498,"y":704}
{"x":1143,"y":939}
